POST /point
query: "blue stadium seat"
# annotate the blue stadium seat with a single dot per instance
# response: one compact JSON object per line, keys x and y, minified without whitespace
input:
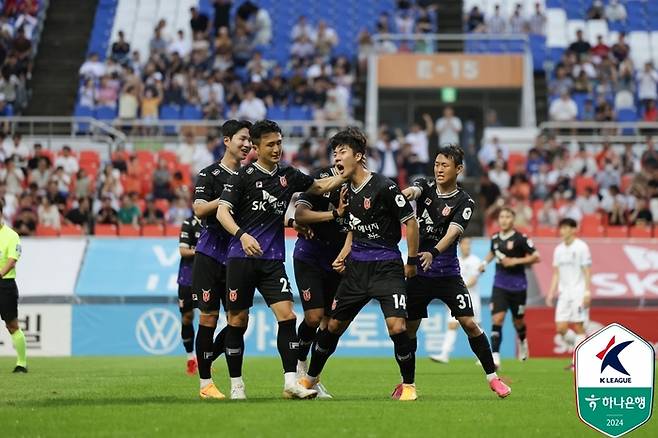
{"x":277,"y":112}
{"x":170,"y":112}
{"x":192,"y":112}
{"x":106,"y":113}
{"x":296,"y":112}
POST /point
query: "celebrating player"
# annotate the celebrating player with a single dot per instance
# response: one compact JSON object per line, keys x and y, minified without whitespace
{"x":444,"y":211}
{"x":257,"y":199}
{"x":513,"y":251}
{"x":571,"y":279}
{"x":209,"y":271}
{"x":469,"y":266}
{"x":376,"y":208}
{"x":10,"y":252}
{"x":189,"y":235}
{"x":316,"y":280}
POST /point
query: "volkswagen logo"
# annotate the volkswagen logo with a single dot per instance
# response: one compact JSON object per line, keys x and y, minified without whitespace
{"x":157,"y":331}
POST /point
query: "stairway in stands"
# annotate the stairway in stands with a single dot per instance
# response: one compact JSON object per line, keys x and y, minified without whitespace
{"x":541,"y":96}
{"x":61,"y":52}
{"x":450,"y":22}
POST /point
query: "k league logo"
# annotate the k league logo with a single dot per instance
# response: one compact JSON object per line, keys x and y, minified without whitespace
{"x":157,"y":331}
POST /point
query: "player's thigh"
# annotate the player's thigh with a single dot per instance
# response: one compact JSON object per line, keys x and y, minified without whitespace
{"x":185,"y":302}
{"x":310,"y":282}
{"x":205,"y":290}
{"x":8,"y":302}
{"x":419,"y":296}
{"x":563,"y":312}
{"x":499,"y":301}
{"x":273,"y":283}
{"x":517,"y":300}
{"x":453,"y":292}
{"x":241,"y":280}
{"x":387,"y":285}
{"x":351,"y":295}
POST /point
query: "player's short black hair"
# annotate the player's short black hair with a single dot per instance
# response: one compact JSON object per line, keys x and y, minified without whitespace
{"x":567,"y":222}
{"x":231,"y":127}
{"x":351,"y":137}
{"x":509,"y":210}
{"x":452,"y":151}
{"x":262,"y":127}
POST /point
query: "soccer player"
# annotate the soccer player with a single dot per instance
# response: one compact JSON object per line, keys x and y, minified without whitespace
{"x":189,"y":235}
{"x":513,"y":252}
{"x":209,"y":271}
{"x":572,"y":262}
{"x":256,"y":199}
{"x":10,"y":252}
{"x":469,"y":266}
{"x":316,"y":280}
{"x":444,"y":211}
{"x":375,"y":208}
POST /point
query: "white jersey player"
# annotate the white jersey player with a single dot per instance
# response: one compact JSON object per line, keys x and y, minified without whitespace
{"x":469,"y":265}
{"x":572,"y":261}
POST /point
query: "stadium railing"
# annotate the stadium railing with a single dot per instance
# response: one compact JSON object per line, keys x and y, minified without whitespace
{"x":595,"y":132}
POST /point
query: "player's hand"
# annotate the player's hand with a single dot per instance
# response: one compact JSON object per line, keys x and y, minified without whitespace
{"x":425,"y":260}
{"x":339,"y":264}
{"x":508,"y":262}
{"x":482,"y":268}
{"x":408,"y":193}
{"x":250,"y":246}
{"x":587,"y":300}
{"x":304,"y":230}
{"x":342,"y":202}
{"x":549,"y":300}
{"x":410,"y":271}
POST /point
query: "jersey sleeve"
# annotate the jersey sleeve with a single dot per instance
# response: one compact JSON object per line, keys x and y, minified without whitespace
{"x":307,"y":200}
{"x":420,"y":186}
{"x":555,"y":257}
{"x":232,"y":191}
{"x":528,"y":245}
{"x":463,"y":214}
{"x":585,"y":256}
{"x":394,"y":198}
{"x":14,"y":249}
{"x":186,"y":235}
{"x":300,"y":181}
{"x":204,"y":191}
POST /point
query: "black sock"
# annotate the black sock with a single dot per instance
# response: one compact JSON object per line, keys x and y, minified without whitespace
{"x":521,"y":332}
{"x":480,"y":346}
{"x":218,"y":345}
{"x":234,"y":349}
{"x":187,"y":335}
{"x":287,"y":343}
{"x":414,"y":344}
{"x":405,"y":356}
{"x":496,"y":337}
{"x":325,"y":345}
{"x":306,"y":337}
{"x":204,"y":350}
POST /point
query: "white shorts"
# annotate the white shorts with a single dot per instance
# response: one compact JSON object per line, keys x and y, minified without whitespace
{"x":570,"y":309}
{"x":477,"y":309}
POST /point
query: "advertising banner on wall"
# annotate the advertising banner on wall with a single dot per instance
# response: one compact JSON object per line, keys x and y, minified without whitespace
{"x":47,"y":329}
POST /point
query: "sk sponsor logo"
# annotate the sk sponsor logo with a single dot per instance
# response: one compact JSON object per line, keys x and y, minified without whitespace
{"x":614,"y":380}
{"x":157,"y":331}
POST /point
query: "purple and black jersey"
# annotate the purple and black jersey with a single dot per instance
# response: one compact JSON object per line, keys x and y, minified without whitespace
{"x":328,"y":237}
{"x":516,"y":245}
{"x":259,"y":200}
{"x":210,"y":184}
{"x":435,"y":212}
{"x":376,"y":209}
{"x":189,"y":235}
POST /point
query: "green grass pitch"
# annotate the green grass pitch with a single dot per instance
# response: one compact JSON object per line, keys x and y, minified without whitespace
{"x":128,"y":396}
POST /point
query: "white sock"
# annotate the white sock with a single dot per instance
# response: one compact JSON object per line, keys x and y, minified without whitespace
{"x":569,"y":337}
{"x":205,"y":382}
{"x":496,"y":357}
{"x":491,"y":377}
{"x":448,"y":342}
{"x":190,"y":356}
{"x":578,"y":339}
{"x":236,"y":381}
{"x":290,"y":379}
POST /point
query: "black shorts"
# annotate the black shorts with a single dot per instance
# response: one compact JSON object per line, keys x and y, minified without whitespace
{"x":243,"y":276}
{"x":514,"y":300}
{"x":451,"y":290}
{"x":317,"y":287}
{"x":187,"y":301}
{"x":208,"y":283}
{"x":8,"y":300}
{"x":363,"y":281}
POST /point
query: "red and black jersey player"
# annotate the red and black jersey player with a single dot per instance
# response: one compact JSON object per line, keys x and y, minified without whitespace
{"x":252,"y":209}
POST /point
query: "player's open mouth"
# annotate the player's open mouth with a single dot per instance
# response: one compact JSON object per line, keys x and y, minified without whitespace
{"x":245,"y":150}
{"x":340,"y":167}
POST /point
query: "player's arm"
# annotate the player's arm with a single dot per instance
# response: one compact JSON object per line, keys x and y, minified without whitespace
{"x":413,"y":235}
{"x":487,"y":259}
{"x":185,"y":247}
{"x":324,"y":185}
{"x":13,"y":254}
{"x":205,"y":202}
{"x":429,"y":124}
{"x":550,"y":298}
{"x":230,"y":196}
{"x":339,"y":264}
{"x":587,"y":297}
{"x":451,"y":235}
{"x":305,"y":215}
{"x":204,"y":208}
{"x":529,"y":259}
{"x":412,"y":193}
{"x":11,"y":263}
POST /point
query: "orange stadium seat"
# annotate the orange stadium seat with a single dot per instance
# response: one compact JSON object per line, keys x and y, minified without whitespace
{"x":591,"y":226}
{"x":172,"y":231}
{"x":583,"y":182}
{"x":45,"y":231}
{"x":544,"y":231}
{"x":71,"y":230}
{"x":626,"y":182}
{"x":90,"y":156}
{"x":128,"y":230}
{"x":516,"y":160}
{"x":641,"y":231}
{"x":105,"y":230}
{"x":153,"y":230}
{"x":616,"y":231}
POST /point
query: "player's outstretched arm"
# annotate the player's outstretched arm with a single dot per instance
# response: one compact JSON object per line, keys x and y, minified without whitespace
{"x":250,"y":245}
{"x":324,"y":185}
{"x":203,"y":208}
{"x":339,"y":264}
{"x":451,"y":235}
{"x":305,"y":215}
{"x":550,"y":298}
{"x":412,"y":193}
{"x":487,"y":259}
{"x":412,"y":246}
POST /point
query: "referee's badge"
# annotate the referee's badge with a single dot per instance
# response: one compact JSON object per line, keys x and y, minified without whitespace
{"x":232,"y":295}
{"x":283,"y":181}
{"x":446,"y":210}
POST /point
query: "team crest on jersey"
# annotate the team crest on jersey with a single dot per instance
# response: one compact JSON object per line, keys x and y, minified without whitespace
{"x":232,"y":295}
{"x":510,"y":245}
{"x":366,"y":203}
{"x":205,"y":295}
{"x":446,"y":210}
{"x":428,"y":201}
{"x":259,"y":184}
{"x":306,"y":294}
{"x":283,"y":181}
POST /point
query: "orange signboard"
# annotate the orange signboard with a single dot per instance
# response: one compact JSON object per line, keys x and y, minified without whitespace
{"x":408,"y":70}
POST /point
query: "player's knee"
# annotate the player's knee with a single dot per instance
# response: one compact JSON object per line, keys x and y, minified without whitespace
{"x":313,"y":318}
{"x":208,"y":320}
{"x":453,"y":325}
{"x":238,"y":319}
{"x":337,"y":327}
{"x":12,"y":326}
{"x":396,"y":326}
{"x":470,"y":326}
{"x":187,"y":318}
{"x":519,"y":323}
{"x":412,"y":327}
{"x":498,"y":318}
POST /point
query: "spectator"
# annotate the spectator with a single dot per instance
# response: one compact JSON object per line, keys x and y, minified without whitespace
{"x":608,"y":176}
{"x":570,"y":210}
{"x":107,"y":93}
{"x":222,"y":14}
{"x":37,"y":155}
{"x":302,"y":27}
{"x":601,"y":50}
{"x":262,"y":27}
{"x":650,"y":112}
{"x":128,"y":103}
{"x":583,"y":163}
{"x":534,"y":162}
{"x":107,"y":215}
{"x":448,"y":127}
{"x":48,"y":214}
{"x":647,"y":81}
{"x":537,"y":22}
{"x":522,"y":213}
{"x":179,"y":211}
{"x":13,"y":177}
{"x":541,"y":186}
{"x":649,"y":158}
{"x":334,"y":108}
{"x":607,"y":155}
{"x":128,"y":212}
{"x":302,"y":48}
{"x":596,"y":11}
{"x":81,"y":215}
{"x":67,"y":161}
{"x":580,"y":47}
{"x":150,"y":103}
{"x":41,"y":175}
{"x":499,"y":176}
{"x":562,"y":83}
{"x":185,"y":151}
{"x":9,"y":202}
{"x":25,"y":223}
{"x":63,"y":181}
{"x":614,"y":204}
{"x":203,"y":156}
{"x":121,"y":49}
{"x":83,"y":187}
{"x":547,"y":215}
{"x":615,"y":11}
{"x":630,"y":163}
{"x":16,"y":148}
{"x":152,"y":215}
{"x":496,"y":23}
{"x":489,"y":191}
{"x":589,"y":202}
{"x":475,"y":20}
{"x":563,"y":109}
{"x":326,"y":39}
{"x":252,"y":108}
{"x":641,"y":214}
{"x":92,"y":68}
{"x":418,"y":138}
{"x":588,"y":113}
{"x":620,"y":49}
{"x":490,"y":151}
{"x":388,"y":149}
{"x":517,"y":24}
{"x":199,"y":22}
{"x":162,"y":180}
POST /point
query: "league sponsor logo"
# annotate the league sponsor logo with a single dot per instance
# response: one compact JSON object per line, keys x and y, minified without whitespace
{"x":157,"y":331}
{"x":306,"y":294}
{"x":467,"y":213}
{"x":283,"y":181}
{"x":205,"y":295}
{"x":428,"y":201}
{"x":400,"y":201}
{"x":232,"y":295}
